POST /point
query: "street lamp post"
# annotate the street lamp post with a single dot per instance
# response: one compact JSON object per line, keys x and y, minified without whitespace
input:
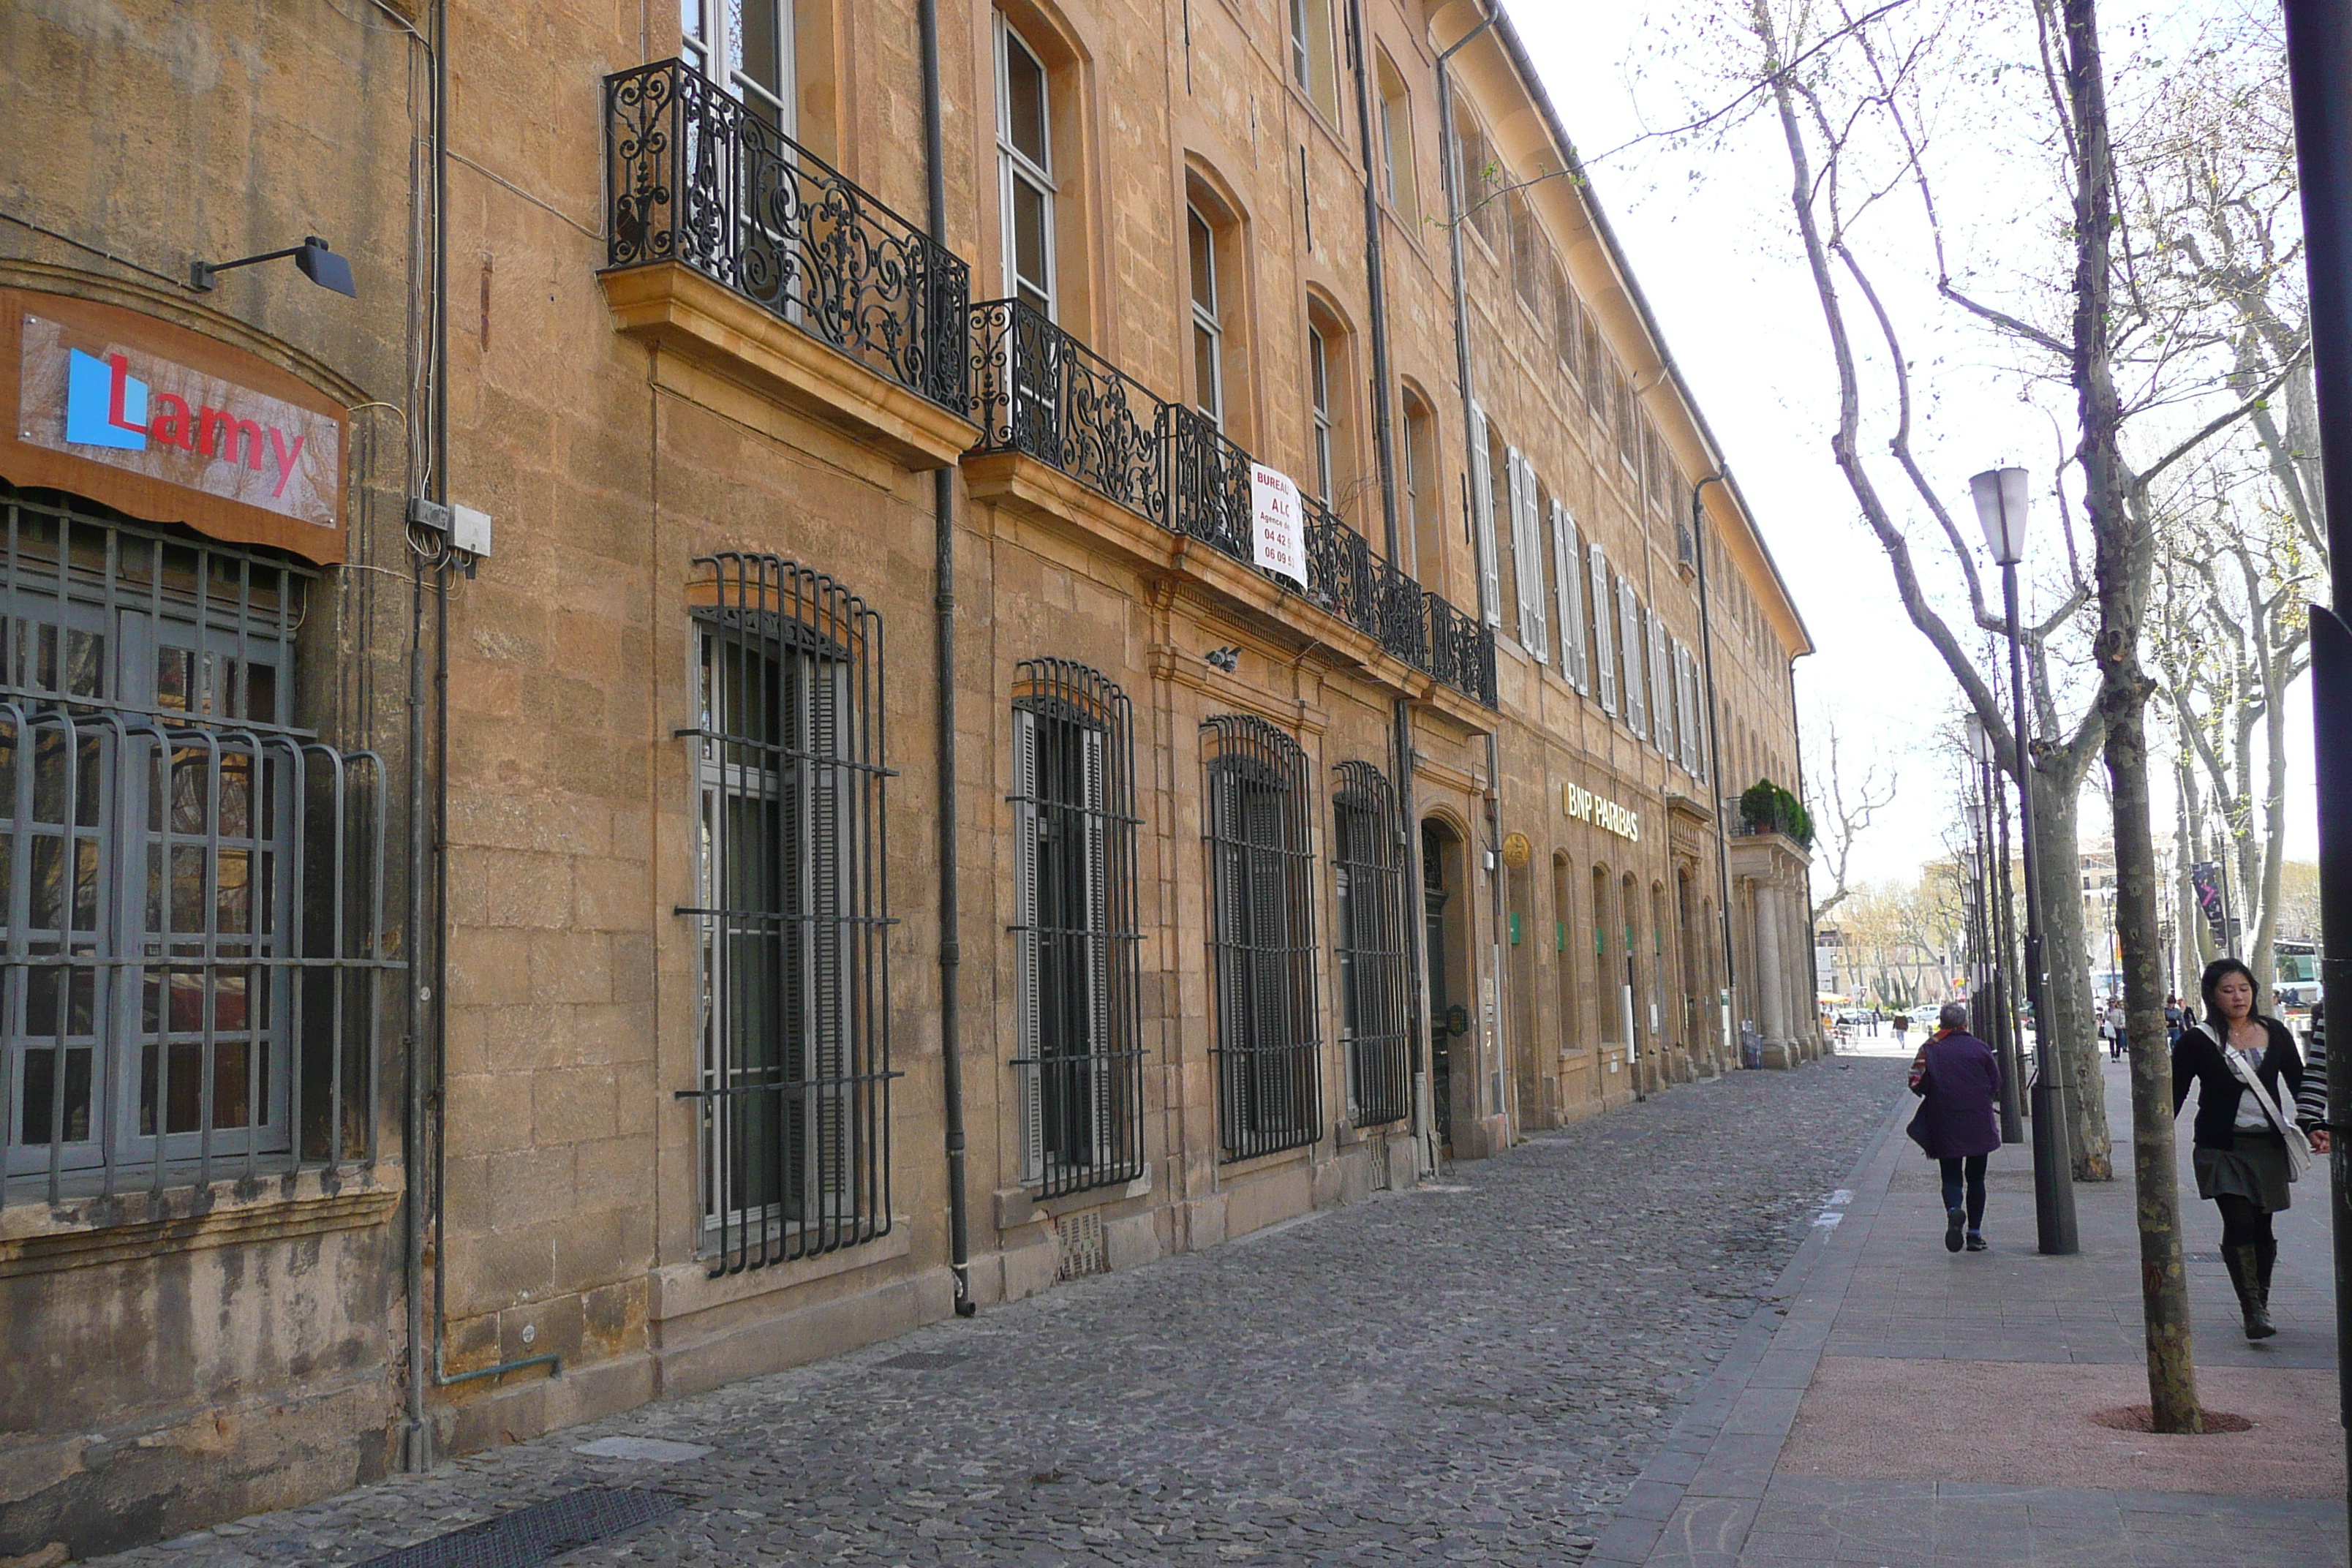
{"x":2000,"y":501}
{"x":2001,"y":1019}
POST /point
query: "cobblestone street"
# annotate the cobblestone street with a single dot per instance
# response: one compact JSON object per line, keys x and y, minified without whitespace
{"x":1471,"y":1373}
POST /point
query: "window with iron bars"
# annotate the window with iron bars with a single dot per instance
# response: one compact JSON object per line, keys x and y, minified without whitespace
{"x":190,"y":940}
{"x":1368,"y":862}
{"x":793,"y":982}
{"x":1262,"y":938}
{"x":1080,"y":1071}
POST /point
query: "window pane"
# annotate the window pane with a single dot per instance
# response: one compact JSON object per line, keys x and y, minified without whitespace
{"x":1024,"y":101}
{"x":1204,"y":372}
{"x":1029,"y":238}
{"x":1204,"y":262}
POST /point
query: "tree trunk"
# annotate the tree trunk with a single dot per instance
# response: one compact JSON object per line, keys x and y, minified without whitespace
{"x":2122,"y":571}
{"x":2067,"y":989}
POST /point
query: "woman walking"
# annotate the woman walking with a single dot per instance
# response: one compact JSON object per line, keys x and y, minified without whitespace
{"x":1957,"y":1079}
{"x":2248,"y":1074}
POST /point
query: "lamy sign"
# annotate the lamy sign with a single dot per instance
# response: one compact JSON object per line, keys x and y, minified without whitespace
{"x":172,"y":426}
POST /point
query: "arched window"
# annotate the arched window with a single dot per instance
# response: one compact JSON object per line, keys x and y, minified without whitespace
{"x":1024,"y":163}
{"x":1604,"y":989}
{"x":1208,"y":317}
{"x":1374,"y":975}
{"x":1262,"y":938}
{"x":1078,"y":1067}
{"x":1424,"y":515}
{"x":1334,"y":469}
{"x":793,"y":977}
{"x":1564,"y":947}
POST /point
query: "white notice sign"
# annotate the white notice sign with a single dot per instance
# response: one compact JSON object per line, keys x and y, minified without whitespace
{"x":1280,"y":543}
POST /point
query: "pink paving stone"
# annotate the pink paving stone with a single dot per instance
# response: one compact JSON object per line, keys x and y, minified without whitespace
{"x":2028,"y":1424}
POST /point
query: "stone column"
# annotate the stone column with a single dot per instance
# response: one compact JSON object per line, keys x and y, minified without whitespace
{"x":1771,"y":976}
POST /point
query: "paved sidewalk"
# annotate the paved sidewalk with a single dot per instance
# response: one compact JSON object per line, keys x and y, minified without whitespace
{"x":1910,"y":1407}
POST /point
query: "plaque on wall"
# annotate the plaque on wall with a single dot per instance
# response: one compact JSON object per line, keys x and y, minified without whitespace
{"x":169,"y":425}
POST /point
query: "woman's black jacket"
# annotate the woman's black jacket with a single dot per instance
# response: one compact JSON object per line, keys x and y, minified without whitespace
{"x":2198,"y":1058}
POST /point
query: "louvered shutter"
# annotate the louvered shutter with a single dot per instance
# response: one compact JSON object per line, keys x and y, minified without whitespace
{"x":1527,"y":544}
{"x":1029,"y":1071}
{"x":1101,"y":1071}
{"x":1602,"y":648}
{"x":1628,"y":636}
{"x":1482,"y":517}
{"x":826,"y":1062}
{"x":1573,"y":663}
{"x":1689,"y":710}
{"x":1663,"y":703}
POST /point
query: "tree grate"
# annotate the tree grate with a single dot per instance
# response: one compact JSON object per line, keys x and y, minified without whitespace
{"x":530,"y":1536}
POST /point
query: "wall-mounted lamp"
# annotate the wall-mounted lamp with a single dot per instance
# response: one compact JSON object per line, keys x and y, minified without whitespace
{"x":318,"y":264}
{"x":1228,"y":658}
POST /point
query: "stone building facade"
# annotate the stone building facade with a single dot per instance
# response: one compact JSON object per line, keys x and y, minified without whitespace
{"x":699,"y":934}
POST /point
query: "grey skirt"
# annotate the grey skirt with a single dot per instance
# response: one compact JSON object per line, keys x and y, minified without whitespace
{"x":2254,"y":1167}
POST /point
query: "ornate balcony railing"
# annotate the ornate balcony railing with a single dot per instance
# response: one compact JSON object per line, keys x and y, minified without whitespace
{"x":1038,"y":390}
{"x":1403,"y":627}
{"x":1461,"y":651}
{"x":1343,"y":575}
{"x":1210,"y":486}
{"x":694,"y":175}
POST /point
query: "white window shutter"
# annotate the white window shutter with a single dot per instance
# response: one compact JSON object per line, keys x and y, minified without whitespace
{"x":1629,"y":639}
{"x":1482,"y":517}
{"x":1602,"y":652}
{"x":1527,"y":547}
{"x":1028,"y":1070}
{"x":1663,"y":697}
{"x":1564,"y":558}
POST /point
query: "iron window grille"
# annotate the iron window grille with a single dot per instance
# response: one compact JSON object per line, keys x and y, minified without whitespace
{"x":1262,"y":938}
{"x":1375,"y":970}
{"x":191,"y":942}
{"x":695,"y":174}
{"x":793,"y":918}
{"x":1079,"y":1072}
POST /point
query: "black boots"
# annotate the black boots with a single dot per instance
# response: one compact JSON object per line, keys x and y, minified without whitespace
{"x":2248,"y":1272}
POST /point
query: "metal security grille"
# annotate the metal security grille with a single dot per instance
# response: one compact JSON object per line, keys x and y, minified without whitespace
{"x":1375,"y":971}
{"x":191,"y":945}
{"x":794,"y":971}
{"x":1080,"y":1071}
{"x":1262,"y":938}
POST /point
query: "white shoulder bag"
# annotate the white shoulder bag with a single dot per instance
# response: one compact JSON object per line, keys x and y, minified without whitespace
{"x":2298,"y":1147}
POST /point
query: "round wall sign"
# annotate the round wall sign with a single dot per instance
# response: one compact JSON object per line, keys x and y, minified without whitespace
{"x":1517,"y":851}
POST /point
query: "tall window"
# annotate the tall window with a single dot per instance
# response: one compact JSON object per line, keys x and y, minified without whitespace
{"x":1319,"y":381}
{"x":746,"y":47}
{"x":793,"y":982}
{"x":1564,"y":948}
{"x":190,"y":888}
{"x":1262,"y":938}
{"x":1475,"y":176}
{"x":1024,"y":168}
{"x":1079,"y":1070}
{"x":1208,"y":329}
{"x":1312,"y":65}
{"x":1396,"y":144}
{"x":1530,"y":253}
{"x":1604,"y":982}
{"x":1422,"y":508}
{"x":1368,"y":859}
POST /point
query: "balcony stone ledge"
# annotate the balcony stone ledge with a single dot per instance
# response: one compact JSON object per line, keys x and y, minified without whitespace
{"x":671,"y":304}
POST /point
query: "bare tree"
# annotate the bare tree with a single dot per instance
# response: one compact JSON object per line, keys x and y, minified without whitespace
{"x":1842,"y":812}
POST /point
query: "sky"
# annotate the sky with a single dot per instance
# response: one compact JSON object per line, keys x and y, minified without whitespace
{"x":1709,"y":238}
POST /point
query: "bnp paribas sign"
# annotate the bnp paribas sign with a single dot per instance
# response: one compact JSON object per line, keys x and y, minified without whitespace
{"x":169,"y":426}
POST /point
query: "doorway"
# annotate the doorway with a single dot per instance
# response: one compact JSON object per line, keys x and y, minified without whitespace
{"x":1448,"y":1016}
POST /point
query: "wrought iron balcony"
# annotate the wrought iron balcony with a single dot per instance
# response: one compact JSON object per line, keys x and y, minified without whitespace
{"x":1210,"y":490}
{"x":1038,"y":390}
{"x":1461,"y":651}
{"x":694,"y":175}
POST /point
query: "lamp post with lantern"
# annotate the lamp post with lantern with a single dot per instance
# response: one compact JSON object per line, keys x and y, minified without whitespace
{"x":2001,"y":499}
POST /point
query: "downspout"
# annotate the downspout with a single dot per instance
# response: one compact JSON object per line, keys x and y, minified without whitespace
{"x":1455,"y":213}
{"x":1384,"y":441}
{"x":944,"y":606}
{"x":1714,"y":757}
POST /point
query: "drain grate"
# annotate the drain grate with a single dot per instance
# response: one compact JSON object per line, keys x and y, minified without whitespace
{"x":922,"y":1361}
{"x":533,"y":1535}
{"x":1081,"y":1239}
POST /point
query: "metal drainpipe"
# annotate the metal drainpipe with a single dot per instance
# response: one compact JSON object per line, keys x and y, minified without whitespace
{"x":1714,"y":758}
{"x":1384,"y":439}
{"x":943,"y":603}
{"x":1455,"y":213}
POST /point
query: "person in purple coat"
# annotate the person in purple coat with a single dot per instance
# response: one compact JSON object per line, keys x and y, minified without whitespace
{"x":1957,"y":1079}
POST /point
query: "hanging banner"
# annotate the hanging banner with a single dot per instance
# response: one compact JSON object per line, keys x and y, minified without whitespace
{"x":169,"y":425}
{"x":1278,"y":531}
{"x":2205,"y":880}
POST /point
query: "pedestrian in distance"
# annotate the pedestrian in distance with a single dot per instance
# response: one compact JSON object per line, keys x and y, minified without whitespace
{"x":2116,"y":1036}
{"x":1957,"y":1079}
{"x":1902,"y":1028}
{"x":2247,"y":1072}
{"x":2173,"y":1022}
